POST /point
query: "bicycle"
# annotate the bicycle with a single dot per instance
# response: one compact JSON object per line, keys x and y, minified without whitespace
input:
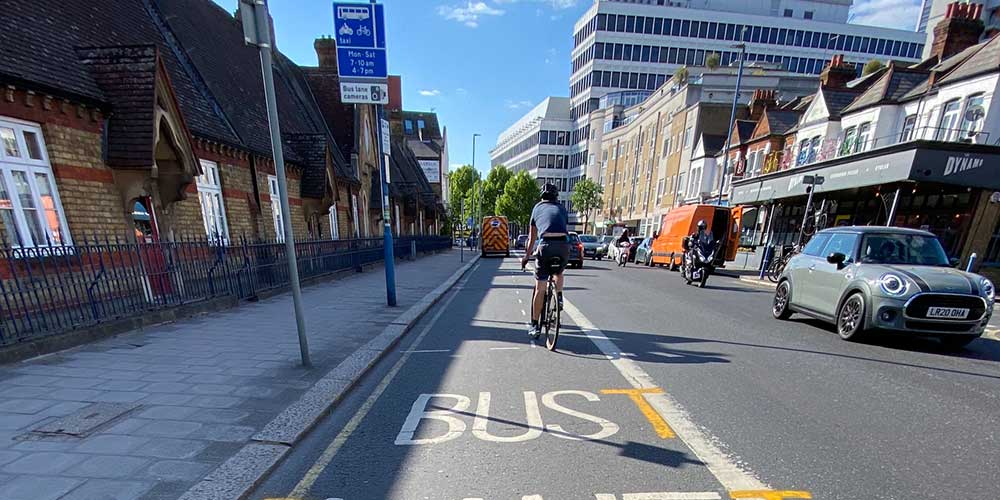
{"x":551,"y":317}
{"x":777,"y":265}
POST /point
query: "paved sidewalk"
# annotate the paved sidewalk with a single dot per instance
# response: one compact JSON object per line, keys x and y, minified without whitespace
{"x":182,"y":398}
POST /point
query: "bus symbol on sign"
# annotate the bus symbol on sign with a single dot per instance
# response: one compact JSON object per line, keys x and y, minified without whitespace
{"x":495,"y":223}
{"x":348,"y":12}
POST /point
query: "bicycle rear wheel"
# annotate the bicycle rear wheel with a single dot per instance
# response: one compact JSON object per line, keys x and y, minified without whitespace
{"x":552,"y":319}
{"x":775,"y":268}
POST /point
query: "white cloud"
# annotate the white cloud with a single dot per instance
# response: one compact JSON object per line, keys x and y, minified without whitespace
{"x":430,"y":93}
{"x":469,"y":14}
{"x":900,"y":14}
{"x":461,"y":91}
{"x":512,"y":104}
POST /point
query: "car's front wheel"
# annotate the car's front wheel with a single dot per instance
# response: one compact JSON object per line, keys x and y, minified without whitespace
{"x":957,"y":341}
{"x":782,"y":294}
{"x":851,"y":318}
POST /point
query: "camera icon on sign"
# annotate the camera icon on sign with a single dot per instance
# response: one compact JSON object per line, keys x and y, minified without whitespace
{"x":377,"y":93}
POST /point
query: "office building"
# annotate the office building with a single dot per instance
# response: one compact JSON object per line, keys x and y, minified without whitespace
{"x":637,"y":45}
{"x":932,"y":12}
{"x":539,"y":143}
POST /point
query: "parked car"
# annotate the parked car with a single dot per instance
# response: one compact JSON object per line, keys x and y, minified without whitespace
{"x":867,"y":278}
{"x":575,"y":251}
{"x":591,"y":246}
{"x":636,"y":241}
{"x":605,"y":242}
{"x":644,"y":252}
{"x":522,"y":240}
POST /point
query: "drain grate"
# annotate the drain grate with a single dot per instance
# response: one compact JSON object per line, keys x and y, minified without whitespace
{"x":86,"y":420}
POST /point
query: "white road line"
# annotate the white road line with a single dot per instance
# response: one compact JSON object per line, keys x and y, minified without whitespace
{"x":417,"y":351}
{"x":675,"y":495}
{"x":302,"y":488}
{"x":504,"y":348}
{"x":722,"y":466}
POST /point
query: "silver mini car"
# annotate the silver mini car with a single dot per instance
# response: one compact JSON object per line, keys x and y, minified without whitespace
{"x":867,"y":278}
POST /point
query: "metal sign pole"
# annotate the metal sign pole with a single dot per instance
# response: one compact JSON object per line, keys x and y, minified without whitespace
{"x":257,"y":11}
{"x":390,"y":262}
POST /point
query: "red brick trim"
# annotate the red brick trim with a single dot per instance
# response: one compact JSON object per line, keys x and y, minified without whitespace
{"x":83,"y":173}
{"x":266,"y":198}
{"x":235,"y":193}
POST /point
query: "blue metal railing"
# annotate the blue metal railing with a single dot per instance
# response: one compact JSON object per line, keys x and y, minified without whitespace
{"x":57,"y":289}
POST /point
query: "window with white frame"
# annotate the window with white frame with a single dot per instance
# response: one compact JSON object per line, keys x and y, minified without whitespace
{"x":688,"y":137}
{"x":864,"y":137}
{"x":30,"y":209}
{"x":276,"y":215}
{"x":334,"y":223}
{"x":972,"y":119}
{"x":909,"y":125}
{"x":213,"y":209}
{"x":947,"y":127}
{"x":354,"y":215}
{"x":848,"y":144}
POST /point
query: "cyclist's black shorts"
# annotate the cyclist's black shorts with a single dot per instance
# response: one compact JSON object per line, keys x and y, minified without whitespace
{"x":546,"y":253}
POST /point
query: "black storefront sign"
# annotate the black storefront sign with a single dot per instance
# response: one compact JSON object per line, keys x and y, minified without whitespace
{"x":969,"y":169}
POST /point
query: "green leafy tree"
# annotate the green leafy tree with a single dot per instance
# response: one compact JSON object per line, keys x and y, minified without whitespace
{"x":713,"y":60}
{"x":462,"y":181}
{"x":496,"y":180}
{"x":681,"y":74}
{"x":586,"y":197}
{"x":519,"y":196}
{"x":871,"y":67}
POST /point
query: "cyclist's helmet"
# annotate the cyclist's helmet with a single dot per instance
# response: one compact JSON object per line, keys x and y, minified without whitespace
{"x":550,"y":192}
{"x":701,"y":224}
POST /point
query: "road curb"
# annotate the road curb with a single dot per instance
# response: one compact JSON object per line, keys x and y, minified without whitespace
{"x":242,"y":472}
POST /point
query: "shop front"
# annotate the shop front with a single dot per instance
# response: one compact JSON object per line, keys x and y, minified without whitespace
{"x":945,"y":188}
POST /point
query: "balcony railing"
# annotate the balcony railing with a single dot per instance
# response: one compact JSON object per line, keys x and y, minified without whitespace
{"x":63,"y":288}
{"x":840,"y":147}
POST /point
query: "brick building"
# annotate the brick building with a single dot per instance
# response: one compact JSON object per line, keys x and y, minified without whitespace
{"x":147,"y":118}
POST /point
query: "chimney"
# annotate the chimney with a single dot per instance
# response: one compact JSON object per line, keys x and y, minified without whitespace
{"x":959,"y":30}
{"x":836,"y":74}
{"x":761,"y":100}
{"x":395,"y":93}
{"x":326,"y":52}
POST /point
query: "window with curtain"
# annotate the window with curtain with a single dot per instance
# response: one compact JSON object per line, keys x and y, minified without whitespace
{"x":30,"y":209}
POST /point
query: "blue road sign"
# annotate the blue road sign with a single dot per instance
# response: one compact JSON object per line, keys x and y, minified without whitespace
{"x":360,"y":29}
{"x":362,"y":63}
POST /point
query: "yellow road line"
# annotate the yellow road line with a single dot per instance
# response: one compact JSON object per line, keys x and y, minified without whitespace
{"x":302,"y":488}
{"x":659,"y":425}
{"x":769,"y":494}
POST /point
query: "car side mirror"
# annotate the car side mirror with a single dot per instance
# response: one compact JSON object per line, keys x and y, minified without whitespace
{"x":836,"y":258}
{"x":954,"y":261}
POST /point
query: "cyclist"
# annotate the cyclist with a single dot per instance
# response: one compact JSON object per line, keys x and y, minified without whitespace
{"x":548,"y":238}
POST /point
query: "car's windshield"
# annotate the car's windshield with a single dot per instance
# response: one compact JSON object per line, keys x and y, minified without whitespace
{"x":574,"y":238}
{"x":607,"y":239}
{"x":912,"y":249}
{"x":588,"y":238}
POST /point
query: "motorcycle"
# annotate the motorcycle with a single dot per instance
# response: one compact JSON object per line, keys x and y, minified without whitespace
{"x":624,"y":249}
{"x":698,"y":263}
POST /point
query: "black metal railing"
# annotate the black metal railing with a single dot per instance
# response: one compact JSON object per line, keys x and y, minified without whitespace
{"x":45,"y":291}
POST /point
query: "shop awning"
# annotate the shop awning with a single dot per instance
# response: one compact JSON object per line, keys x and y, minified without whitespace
{"x":968,"y":165}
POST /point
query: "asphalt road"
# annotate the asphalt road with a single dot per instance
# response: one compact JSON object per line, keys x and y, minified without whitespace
{"x":659,"y":389}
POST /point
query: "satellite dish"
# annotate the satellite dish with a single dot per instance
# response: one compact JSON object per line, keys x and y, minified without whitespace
{"x":975,"y":113}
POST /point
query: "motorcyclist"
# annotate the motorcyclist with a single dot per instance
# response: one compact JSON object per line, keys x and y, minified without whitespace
{"x":703,"y":238}
{"x":623,"y":239}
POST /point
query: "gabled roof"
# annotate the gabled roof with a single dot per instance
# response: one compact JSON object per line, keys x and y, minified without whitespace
{"x":710,"y":145}
{"x":984,"y":60}
{"x":838,"y":99}
{"x":743,"y":131}
{"x":775,"y":122}
{"x":893,"y":86}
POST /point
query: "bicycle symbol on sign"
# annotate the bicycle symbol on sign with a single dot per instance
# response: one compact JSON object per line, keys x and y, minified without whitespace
{"x":364,"y":31}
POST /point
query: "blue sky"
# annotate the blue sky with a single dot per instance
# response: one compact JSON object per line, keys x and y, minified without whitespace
{"x":482,"y":64}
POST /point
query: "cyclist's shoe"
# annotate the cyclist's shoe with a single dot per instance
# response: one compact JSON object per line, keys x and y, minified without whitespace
{"x":535,"y":331}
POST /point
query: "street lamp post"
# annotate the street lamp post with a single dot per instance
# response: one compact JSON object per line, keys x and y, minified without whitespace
{"x":479,"y":195}
{"x":732,"y":117}
{"x":257,"y":32}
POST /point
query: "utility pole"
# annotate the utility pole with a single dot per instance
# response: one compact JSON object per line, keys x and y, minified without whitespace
{"x":732,"y":117}
{"x":479,"y":197}
{"x":257,"y":31}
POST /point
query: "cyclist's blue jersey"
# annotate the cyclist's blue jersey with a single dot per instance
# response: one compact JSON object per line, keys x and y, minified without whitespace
{"x":550,"y":217}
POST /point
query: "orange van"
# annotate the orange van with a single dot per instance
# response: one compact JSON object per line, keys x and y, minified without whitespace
{"x":496,"y":235}
{"x":724,"y":222}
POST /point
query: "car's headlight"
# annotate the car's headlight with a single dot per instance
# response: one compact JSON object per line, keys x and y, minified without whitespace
{"x":989,"y":290}
{"x":892,"y":284}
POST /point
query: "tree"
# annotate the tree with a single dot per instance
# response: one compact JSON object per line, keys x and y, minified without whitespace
{"x":713,"y":60}
{"x":586,"y":197}
{"x":494,"y":186}
{"x":681,"y":74}
{"x":462,"y":181}
{"x":518,"y":198}
{"x":871,"y":67}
